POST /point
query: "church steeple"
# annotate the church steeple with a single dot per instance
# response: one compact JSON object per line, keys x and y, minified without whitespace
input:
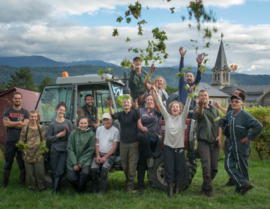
{"x":221,"y":71}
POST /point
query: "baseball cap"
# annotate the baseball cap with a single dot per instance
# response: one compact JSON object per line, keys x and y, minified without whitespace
{"x":136,"y":58}
{"x":106,"y":115}
{"x":236,"y":97}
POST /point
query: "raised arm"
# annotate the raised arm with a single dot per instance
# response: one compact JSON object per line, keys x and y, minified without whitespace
{"x":159,"y":101}
{"x":198,"y":78}
{"x":186,"y":108}
{"x":110,"y":102}
{"x":217,"y":105}
{"x":146,"y":80}
{"x":181,"y":65}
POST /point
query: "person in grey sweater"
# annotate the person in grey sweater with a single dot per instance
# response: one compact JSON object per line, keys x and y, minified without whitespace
{"x":174,"y":149}
{"x":238,"y":149}
{"x":58,"y":133}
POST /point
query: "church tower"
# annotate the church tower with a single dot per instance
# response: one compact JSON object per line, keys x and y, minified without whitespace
{"x":221,"y":71}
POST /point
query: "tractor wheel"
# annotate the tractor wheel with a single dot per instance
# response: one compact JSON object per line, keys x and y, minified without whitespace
{"x":156,"y":175}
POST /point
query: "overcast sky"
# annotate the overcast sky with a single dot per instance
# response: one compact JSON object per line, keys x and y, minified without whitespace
{"x":74,"y":30}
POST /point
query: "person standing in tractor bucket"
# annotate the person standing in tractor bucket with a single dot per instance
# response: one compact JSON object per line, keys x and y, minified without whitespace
{"x":129,"y":150}
{"x":58,"y":133}
{"x":136,"y":79}
{"x":91,"y":112}
{"x":14,"y":119}
{"x":239,"y":146}
{"x":107,"y":139}
{"x":208,"y":140}
{"x":190,"y":80}
{"x":174,"y":149}
{"x":33,"y":135}
{"x":80,"y":148}
{"x":242,"y":94}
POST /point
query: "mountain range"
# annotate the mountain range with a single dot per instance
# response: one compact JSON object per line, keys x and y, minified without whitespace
{"x":42,"y":67}
{"x":40,"y":61}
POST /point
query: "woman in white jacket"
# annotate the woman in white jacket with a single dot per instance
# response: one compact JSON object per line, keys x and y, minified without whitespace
{"x":174,"y":149}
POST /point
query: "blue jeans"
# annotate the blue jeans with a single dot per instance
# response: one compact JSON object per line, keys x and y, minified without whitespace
{"x":58,"y":162}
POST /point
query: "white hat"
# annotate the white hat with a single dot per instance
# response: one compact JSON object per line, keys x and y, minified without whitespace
{"x":106,"y":115}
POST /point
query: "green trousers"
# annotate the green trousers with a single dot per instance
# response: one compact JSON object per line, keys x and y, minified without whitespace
{"x":129,"y":158}
{"x":35,"y":175}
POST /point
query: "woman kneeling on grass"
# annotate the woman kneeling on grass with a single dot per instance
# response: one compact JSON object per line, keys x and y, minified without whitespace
{"x":129,"y":151}
{"x":174,"y":150}
{"x":81,"y":147}
{"x":33,"y":135}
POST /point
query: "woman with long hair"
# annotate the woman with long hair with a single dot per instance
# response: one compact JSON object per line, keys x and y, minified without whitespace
{"x":33,"y":134}
{"x":174,"y":149}
{"x":58,"y":133}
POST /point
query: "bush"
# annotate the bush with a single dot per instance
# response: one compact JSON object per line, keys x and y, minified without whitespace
{"x":262,"y":143}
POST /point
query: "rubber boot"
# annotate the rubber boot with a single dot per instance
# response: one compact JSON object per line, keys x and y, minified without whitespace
{"x":103,"y":180}
{"x":22,"y":177}
{"x":95,"y":181}
{"x":170,"y":189}
{"x":102,"y":187}
{"x":229,"y":183}
{"x":56,"y":185}
{"x":177,"y":187}
{"x":52,"y":176}
{"x":6,"y":175}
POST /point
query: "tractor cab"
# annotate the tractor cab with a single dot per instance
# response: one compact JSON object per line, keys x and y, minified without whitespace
{"x":72,"y":91}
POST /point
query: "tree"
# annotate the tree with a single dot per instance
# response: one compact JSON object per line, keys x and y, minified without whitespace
{"x":22,"y":79}
{"x":45,"y":82}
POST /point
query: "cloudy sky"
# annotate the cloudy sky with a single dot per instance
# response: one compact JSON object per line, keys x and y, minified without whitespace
{"x":74,"y":30}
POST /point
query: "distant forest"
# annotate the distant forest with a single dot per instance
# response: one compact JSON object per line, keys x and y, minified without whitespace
{"x":169,"y":73}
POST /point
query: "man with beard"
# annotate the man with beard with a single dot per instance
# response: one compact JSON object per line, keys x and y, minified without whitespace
{"x":136,"y":78}
{"x":14,"y":119}
{"x":90,"y":111}
{"x":189,"y":79}
{"x":208,"y":140}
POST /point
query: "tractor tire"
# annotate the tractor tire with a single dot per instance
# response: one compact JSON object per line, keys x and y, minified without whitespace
{"x":156,"y":175}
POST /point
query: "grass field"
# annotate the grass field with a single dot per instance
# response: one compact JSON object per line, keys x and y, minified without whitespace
{"x":224,"y":197}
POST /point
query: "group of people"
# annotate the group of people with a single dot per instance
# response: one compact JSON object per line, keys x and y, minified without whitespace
{"x":89,"y":149}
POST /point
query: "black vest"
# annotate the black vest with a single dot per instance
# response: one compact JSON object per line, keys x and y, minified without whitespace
{"x":92,"y":116}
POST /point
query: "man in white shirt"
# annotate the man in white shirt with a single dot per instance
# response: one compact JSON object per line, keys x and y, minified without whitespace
{"x":107,"y":138}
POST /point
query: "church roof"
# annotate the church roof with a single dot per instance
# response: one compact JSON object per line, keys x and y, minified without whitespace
{"x":248,"y":88}
{"x":221,"y":61}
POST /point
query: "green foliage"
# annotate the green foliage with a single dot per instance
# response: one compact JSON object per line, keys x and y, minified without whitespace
{"x":126,"y":64}
{"x":172,"y":9}
{"x":181,"y":74}
{"x":120,"y":98}
{"x":115,"y":32}
{"x":187,"y":87}
{"x":22,"y":146}
{"x":128,"y":39}
{"x":262,"y":143}
{"x":47,"y":81}
{"x":22,"y":79}
{"x":42,"y":148}
{"x":170,"y":89}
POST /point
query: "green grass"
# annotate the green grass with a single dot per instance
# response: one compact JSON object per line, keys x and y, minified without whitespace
{"x":17,"y":197}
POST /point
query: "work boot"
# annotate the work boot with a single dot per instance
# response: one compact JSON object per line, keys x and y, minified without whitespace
{"x":170,"y":189}
{"x":141,"y":190}
{"x":177,"y":187}
{"x":22,"y":177}
{"x":52,"y":176}
{"x":247,"y":187}
{"x":102,"y":187}
{"x":209,"y":194}
{"x":150,"y":162}
{"x":95,"y":180}
{"x":229,"y":183}
{"x":56,"y":185}
{"x":6,"y":175}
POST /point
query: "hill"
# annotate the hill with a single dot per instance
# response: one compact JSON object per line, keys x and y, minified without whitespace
{"x":40,"y":73}
{"x":40,"y":61}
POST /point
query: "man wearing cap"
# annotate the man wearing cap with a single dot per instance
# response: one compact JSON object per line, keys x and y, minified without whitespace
{"x":107,"y":138}
{"x":136,"y":78}
{"x":90,"y":111}
{"x":239,"y":147}
{"x":242,"y":94}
